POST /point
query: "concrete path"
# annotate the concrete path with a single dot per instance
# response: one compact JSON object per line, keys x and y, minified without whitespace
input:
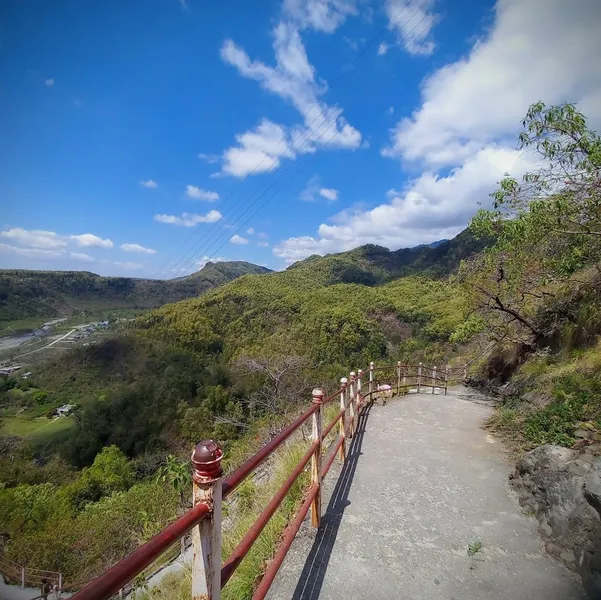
{"x":423,"y":484}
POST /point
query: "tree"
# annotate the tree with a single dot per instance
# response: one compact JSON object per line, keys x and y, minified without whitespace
{"x":281,"y":379}
{"x":547,"y":226}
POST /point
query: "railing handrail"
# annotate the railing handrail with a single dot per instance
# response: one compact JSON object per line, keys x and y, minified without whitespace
{"x":352,"y":399}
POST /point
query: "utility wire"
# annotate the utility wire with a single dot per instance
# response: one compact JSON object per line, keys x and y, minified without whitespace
{"x":329,"y":87}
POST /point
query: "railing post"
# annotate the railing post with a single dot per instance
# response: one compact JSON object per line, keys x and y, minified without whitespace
{"x":405,"y":388}
{"x":419,"y":377}
{"x":371,"y":380}
{"x":343,"y":390}
{"x":433,"y":380}
{"x":22,"y":577}
{"x":318,"y":395}
{"x":351,"y":402}
{"x":398,"y":377}
{"x":359,"y":378}
{"x":464,"y":371}
{"x":206,"y":536}
{"x":446,"y":379}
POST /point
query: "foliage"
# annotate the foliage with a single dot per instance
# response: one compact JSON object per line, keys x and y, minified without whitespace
{"x":47,"y":294}
{"x":548,"y":228}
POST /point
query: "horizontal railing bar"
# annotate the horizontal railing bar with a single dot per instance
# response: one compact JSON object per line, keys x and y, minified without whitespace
{"x":331,"y":456}
{"x":324,"y":433}
{"x":124,"y":571}
{"x":333,"y":396}
{"x":232,"y":481}
{"x":236,"y":557}
{"x":287,"y":540}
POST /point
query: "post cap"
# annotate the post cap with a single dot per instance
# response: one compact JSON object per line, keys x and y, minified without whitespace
{"x":353,"y":374}
{"x":398,"y":363}
{"x":206,"y":461}
{"x":371,"y":364}
{"x":344,"y":381}
{"x":360,"y":372}
{"x":318,"y":395}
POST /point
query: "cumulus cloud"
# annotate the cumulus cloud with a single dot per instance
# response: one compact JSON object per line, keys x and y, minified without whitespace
{"x":293,"y":79}
{"x":535,"y":50}
{"x":329,"y":194}
{"x":45,"y":253}
{"x":238,"y":239}
{"x":35,"y":238}
{"x":137,"y":248}
{"x":431,"y":207}
{"x":200,"y":194}
{"x":189,"y":219}
{"x":412,"y":25}
{"x":321,"y":15}
{"x":149,"y":183}
{"x":89,"y":239}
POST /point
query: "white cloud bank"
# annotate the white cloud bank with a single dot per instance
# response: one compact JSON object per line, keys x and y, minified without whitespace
{"x":137,"y":248}
{"x":199,"y":193}
{"x":467,"y":123}
{"x":86,"y":240}
{"x":189,"y":219}
{"x":238,"y":239}
{"x":150,"y":184}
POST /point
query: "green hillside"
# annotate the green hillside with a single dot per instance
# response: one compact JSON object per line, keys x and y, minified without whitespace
{"x":45,"y":294}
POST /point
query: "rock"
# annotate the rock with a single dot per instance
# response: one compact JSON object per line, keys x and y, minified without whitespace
{"x":562,"y":487}
{"x":583,"y":434}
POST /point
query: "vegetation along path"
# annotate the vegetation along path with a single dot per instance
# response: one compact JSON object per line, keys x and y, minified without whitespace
{"x":422,"y":510}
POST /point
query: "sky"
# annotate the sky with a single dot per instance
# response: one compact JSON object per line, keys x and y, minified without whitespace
{"x":145,"y":138}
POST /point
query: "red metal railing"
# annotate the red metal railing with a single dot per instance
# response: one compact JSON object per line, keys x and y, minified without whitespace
{"x":208,"y":575}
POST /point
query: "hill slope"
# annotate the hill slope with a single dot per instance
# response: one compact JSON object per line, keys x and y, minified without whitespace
{"x":44,"y":294}
{"x":372,"y":265}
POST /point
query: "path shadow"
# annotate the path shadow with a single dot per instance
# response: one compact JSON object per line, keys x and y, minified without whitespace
{"x":316,"y":565}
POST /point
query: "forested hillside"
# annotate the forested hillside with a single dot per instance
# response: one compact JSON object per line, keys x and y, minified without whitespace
{"x":45,"y":294}
{"x":524,"y":283}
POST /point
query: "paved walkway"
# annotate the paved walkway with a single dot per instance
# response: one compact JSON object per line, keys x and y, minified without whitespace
{"x":423,"y":484}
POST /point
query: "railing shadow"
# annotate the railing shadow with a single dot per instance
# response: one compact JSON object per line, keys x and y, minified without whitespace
{"x":316,"y":565}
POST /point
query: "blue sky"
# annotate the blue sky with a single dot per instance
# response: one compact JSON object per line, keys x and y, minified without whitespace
{"x":136,"y":135}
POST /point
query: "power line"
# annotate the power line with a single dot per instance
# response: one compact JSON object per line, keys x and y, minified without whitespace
{"x":207,"y":245}
{"x":330,"y":86}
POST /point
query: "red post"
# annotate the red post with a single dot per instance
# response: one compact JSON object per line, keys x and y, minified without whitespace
{"x":433,"y":380}
{"x":398,"y":377}
{"x":371,"y":380}
{"x":446,"y":379}
{"x":206,"y":536}
{"x":318,"y":395}
{"x":419,"y":377}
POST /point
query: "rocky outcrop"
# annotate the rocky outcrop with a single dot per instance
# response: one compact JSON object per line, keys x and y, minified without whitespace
{"x":562,"y":487}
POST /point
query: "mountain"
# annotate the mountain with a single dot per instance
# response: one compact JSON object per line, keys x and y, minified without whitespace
{"x":373,"y":265}
{"x":25,"y":294}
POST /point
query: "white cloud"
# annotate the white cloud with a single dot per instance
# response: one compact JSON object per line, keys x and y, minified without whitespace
{"x":200,"y":194}
{"x":189,"y":219}
{"x":89,"y":239}
{"x":535,"y":50}
{"x":45,"y":253}
{"x":430,"y":208}
{"x":329,"y":194}
{"x":321,"y":15}
{"x":382,"y":48}
{"x":412,"y":26}
{"x":293,"y":79}
{"x":391,"y":110}
{"x":250,"y":231}
{"x":210,"y":158}
{"x":34,"y":238}
{"x":49,"y":82}
{"x":238,"y":239}
{"x":137,"y":248}
{"x":263,"y":244}
{"x":150,"y":183}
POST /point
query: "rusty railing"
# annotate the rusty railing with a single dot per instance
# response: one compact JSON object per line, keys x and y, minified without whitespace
{"x":209,"y":576}
{"x":28,"y":577}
